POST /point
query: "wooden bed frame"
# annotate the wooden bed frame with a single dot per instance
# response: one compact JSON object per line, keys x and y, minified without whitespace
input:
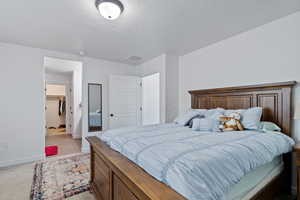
{"x":114,"y":177}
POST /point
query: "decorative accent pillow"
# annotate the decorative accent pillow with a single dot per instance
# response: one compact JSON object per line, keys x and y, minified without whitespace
{"x":269,"y":126}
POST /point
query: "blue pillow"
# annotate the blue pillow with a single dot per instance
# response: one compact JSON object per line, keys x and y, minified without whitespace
{"x":251,"y":118}
{"x":269,"y":126}
{"x":185,"y":118}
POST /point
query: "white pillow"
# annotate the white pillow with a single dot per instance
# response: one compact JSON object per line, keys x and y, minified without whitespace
{"x":251,"y":118}
{"x":201,"y":111}
{"x":185,"y":118}
{"x":211,"y":112}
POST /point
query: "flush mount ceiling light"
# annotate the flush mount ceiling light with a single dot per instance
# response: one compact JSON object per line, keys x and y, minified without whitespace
{"x":109,"y":9}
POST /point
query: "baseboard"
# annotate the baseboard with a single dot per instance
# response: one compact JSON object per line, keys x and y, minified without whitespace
{"x":76,"y":136}
{"x":29,"y":159}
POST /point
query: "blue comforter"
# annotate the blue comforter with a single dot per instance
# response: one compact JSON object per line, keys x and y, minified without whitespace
{"x":198,"y":165}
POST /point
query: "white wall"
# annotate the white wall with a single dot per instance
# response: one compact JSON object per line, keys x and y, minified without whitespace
{"x":151,"y":99}
{"x":172,"y":87}
{"x":21,"y":104}
{"x":98,"y":71}
{"x":157,"y":65}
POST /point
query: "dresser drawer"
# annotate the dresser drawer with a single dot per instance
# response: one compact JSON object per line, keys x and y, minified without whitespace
{"x":101,"y":178}
{"x":120,"y":191}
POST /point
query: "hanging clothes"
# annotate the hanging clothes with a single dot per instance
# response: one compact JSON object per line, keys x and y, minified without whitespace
{"x":59,"y":107}
{"x":63,"y":106}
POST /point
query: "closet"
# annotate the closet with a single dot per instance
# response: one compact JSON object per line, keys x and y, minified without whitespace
{"x":56,"y":109}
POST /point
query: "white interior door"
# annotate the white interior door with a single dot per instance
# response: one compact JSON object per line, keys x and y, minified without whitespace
{"x":151,"y":99}
{"x":124,"y":101}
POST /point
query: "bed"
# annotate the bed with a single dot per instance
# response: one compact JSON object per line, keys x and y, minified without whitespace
{"x":120,"y":173}
{"x":95,"y":119}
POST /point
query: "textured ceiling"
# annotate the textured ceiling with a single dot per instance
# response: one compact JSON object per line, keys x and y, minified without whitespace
{"x":146,"y":29}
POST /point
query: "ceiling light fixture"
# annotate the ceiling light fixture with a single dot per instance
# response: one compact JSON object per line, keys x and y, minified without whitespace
{"x":109,"y":9}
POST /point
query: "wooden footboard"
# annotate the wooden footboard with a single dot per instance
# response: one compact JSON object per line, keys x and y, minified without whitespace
{"x":114,"y":177}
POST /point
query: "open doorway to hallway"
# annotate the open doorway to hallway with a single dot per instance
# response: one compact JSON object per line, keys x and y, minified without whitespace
{"x":63,"y":94}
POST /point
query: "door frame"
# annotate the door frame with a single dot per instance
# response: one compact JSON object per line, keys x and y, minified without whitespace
{"x":71,"y":90}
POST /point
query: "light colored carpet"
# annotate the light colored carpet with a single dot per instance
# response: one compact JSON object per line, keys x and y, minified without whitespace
{"x":66,"y":144}
{"x":15,"y":184}
{"x":56,"y":131}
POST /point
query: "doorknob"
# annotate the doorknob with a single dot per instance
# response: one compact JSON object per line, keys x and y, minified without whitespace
{"x":111,"y":115}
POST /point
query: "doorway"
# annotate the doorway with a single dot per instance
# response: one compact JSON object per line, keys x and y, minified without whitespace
{"x":56,"y":113}
{"x":151,"y":99}
{"x":63,"y":89}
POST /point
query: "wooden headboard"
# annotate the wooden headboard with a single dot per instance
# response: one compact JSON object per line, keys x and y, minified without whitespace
{"x":274,"y":98}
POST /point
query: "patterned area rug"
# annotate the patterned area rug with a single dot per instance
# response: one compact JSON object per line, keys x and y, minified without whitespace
{"x":62,"y":177}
